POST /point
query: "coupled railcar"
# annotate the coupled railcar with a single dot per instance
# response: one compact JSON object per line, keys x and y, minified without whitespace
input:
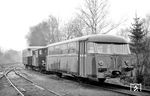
{"x":30,"y":57}
{"x":95,"y":56}
{"x":42,"y":54}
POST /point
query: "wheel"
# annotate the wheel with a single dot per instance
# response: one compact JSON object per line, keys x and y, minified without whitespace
{"x":26,"y":67}
{"x":79,"y":79}
{"x":101,"y":80}
{"x":59,"y":75}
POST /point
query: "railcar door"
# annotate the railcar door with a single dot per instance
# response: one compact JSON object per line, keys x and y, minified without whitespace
{"x":35,"y":58}
{"x":42,"y":53}
{"x":82,"y":66}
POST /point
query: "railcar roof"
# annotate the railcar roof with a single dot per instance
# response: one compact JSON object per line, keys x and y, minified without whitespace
{"x":96,"y":38}
{"x":107,"y":39}
{"x":34,"y":47}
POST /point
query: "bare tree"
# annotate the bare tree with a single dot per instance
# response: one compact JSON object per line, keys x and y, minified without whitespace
{"x":146,"y":52}
{"x":147,"y":23}
{"x":51,"y":31}
{"x":9,"y":56}
{"x":94,"y":15}
{"x":54,"y":34}
{"x":35,"y":37}
{"x":124,"y":32}
{"x":73,"y":28}
{"x":44,"y":33}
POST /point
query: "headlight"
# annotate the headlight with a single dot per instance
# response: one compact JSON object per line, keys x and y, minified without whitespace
{"x":100,"y":63}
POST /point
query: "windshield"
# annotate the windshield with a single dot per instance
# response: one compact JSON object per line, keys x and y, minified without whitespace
{"x":108,"y":48}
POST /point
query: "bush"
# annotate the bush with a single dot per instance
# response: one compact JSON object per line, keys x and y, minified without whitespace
{"x":139,"y":79}
{"x":147,"y":80}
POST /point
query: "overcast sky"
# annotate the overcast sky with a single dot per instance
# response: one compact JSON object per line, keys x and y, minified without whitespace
{"x":17,"y":16}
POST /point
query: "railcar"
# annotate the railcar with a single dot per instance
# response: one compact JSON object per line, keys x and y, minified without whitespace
{"x":42,"y":54}
{"x":95,"y":57}
{"x":28,"y":56}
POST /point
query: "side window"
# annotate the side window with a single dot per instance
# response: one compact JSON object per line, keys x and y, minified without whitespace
{"x":33,"y":52}
{"x":54,"y":50}
{"x":36,"y":53}
{"x":69,"y":47}
{"x":29,"y":53}
{"x":105,"y":48}
{"x":61,"y":49}
{"x":51,"y":50}
{"x":40,"y":52}
{"x":45,"y":51}
{"x":99,"y":48}
{"x":109,"y":49}
{"x":77,"y":47}
{"x":57,"y":49}
{"x":64,"y":48}
{"x":90,"y":48}
{"x":72,"y":47}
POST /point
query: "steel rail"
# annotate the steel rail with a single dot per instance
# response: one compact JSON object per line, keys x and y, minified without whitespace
{"x":114,"y":86}
{"x":11,"y":83}
{"x":17,"y":73}
{"x":128,"y":87}
{"x":108,"y":89}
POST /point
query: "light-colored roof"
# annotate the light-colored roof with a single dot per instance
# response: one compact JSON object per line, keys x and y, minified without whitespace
{"x":96,"y":38}
{"x":107,"y":39}
{"x":33,"y":47}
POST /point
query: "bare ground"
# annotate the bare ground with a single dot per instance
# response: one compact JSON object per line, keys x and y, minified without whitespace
{"x":67,"y":87}
{"x":52,"y":82}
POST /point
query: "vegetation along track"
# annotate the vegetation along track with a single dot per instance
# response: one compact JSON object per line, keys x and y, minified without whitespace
{"x":122,"y":89}
{"x":111,"y":87}
{"x":26,"y":87}
{"x":106,"y":86}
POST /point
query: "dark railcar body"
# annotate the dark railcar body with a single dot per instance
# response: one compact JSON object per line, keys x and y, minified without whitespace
{"x":28,"y":56}
{"x":42,"y":53}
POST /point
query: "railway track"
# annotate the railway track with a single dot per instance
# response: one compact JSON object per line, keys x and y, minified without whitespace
{"x":19,"y":74}
{"x":112,"y":87}
{"x":11,"y":83}
{"x":127,"y":88}
{"x":106,"y":86}
{"x":23,"y":91}
{"x":122,"y":89}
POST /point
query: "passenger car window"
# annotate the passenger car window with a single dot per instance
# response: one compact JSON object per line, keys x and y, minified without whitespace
{"x":64,"y":48}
